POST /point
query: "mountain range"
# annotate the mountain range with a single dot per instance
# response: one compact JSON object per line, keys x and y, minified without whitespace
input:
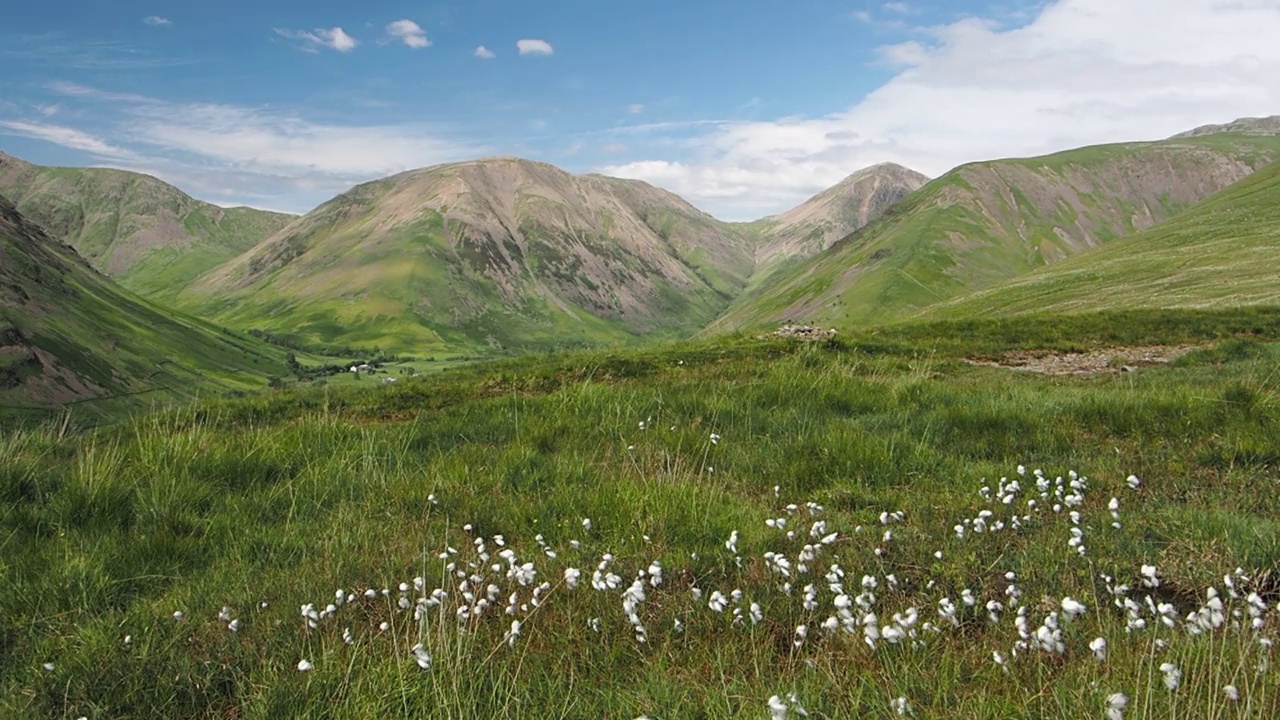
{"x":509,"y":255}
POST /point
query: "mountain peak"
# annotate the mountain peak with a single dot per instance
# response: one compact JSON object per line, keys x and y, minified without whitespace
{"x":834,"y":213}
{"x":1255,"y":126}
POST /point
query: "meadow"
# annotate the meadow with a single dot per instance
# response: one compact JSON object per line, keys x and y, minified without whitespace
{"x":743,"y":527}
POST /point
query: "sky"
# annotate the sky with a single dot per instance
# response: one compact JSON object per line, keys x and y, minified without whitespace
{"x":743,"y":107}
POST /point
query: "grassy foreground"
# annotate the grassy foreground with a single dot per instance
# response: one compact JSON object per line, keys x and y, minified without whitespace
{"x":334,"y":552}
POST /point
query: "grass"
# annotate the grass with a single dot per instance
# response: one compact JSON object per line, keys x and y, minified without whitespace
{"x":1218,"y":254}
{"x":268,"y":503}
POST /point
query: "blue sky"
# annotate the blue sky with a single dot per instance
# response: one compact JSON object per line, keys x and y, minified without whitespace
{"x":743,"y":107}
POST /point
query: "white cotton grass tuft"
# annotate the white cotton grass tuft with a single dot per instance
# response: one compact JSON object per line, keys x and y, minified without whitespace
{"x":899,"y":705}
{"x":305,"y":665}
{"x":1116,"y":705}
{"x":421,"y":656}
{"x":1232,"y":693}
{"x":1172,"y":676}
{"x":1098,"y":646}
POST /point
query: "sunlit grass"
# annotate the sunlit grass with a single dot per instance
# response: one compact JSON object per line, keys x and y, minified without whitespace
{"x":678,"y":457}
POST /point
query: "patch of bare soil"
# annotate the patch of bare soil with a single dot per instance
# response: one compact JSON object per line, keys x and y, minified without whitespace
{"x":1095,"y":362}
{"x":808,"y":333}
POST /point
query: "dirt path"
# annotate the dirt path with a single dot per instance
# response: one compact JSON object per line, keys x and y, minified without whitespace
{"x":1095,"y":362}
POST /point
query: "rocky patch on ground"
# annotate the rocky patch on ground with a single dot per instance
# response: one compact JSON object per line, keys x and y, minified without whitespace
{"x":1094,"y":362}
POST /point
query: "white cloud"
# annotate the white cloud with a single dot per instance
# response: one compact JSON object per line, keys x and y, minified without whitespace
{"x":48,"y":110}
{"x":408,"y":32}
{"x":66,"y":137}
{"x":157,"y":21}
{"x":333,"y":38}
{"x":635,"y":108}
{"x":614,"y":148}
{"x":534,"y":47}
{"x":484,"y":52}
{"x":1080,"y":72}
{"x":862,"y":16}
{"x":259,"y":156}
{"x":897,"y":7}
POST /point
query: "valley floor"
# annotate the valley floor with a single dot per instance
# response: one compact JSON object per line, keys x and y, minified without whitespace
{"x":863,"y":527}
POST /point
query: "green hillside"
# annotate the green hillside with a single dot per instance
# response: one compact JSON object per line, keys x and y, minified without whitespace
{"x":487,"y":256}
{"x":1222,"y":253}
{"x":68,"y":334}
{"x":985,"y":223}
{"x":149,"y":236}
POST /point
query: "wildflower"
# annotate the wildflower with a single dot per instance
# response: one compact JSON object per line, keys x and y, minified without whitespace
{"x":305,"y":665}
{"x":802,"y":632}
{"x":177,"y":615}
{"x":1133,"y":482}
{"x":586,"y":524}
{"x":594,"y":624}
{"x":421,"y":656}
{"x":1116,"y":704}
{"x":777,"y":708}
{"x":718,"y":602}
{"x":715,"y":439}
{"x":757,"y":613}
{"x":347,"y":637}
{"x":732,"y":543}
{"x":513,"y":633}
{"x":48,"y":667}
{"x":1072,"y":608}
{"x":1232,"y":693}
{"x":899,"y":705}
{"x":1099,"y":648}
{"x":383,"y":627}
{"x":224,"y":614}
{"x":1172,"y":676}
{"x":571,"y":576}
{"x":234,"y":626}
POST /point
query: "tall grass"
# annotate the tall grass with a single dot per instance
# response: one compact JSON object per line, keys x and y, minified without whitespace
{"x":267,"y":503}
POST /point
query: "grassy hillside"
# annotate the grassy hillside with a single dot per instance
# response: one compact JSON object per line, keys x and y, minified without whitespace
{"x":985,"y":223}
{"x":150,"y":236}
{"x":498,"y":254}
{"x":68,"y":334}
{"x":1221,"y":253}
{"x":214,"y":561}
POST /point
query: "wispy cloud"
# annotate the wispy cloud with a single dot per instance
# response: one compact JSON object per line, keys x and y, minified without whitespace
{"x":67,"y":137}
{"x":1079,"y":72}
{"x":614,"y":148}
{"x":310,"y":40}
{"x":408,"y":32}
{"x":897,"y":7}
{"x":533,"y":46}
{"x":57,"y":50}
{"x":261,"y":156}
{"x":484,"y":53}
{"x":157,"y":21}
{"x":635,"y":108}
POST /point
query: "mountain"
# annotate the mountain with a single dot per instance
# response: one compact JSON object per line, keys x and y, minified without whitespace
{"x":1243,"y":126}
{"x":67,"y":333}
{"x":1221,"y":253}
{"x":148,"y":235}
{"x":984,"y":223}
{"x":834,"y":213}
{"x":478,"y":255}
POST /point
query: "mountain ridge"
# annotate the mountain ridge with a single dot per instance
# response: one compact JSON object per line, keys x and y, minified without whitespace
{"x":986,"y":222}
{"x":147,"y":234}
